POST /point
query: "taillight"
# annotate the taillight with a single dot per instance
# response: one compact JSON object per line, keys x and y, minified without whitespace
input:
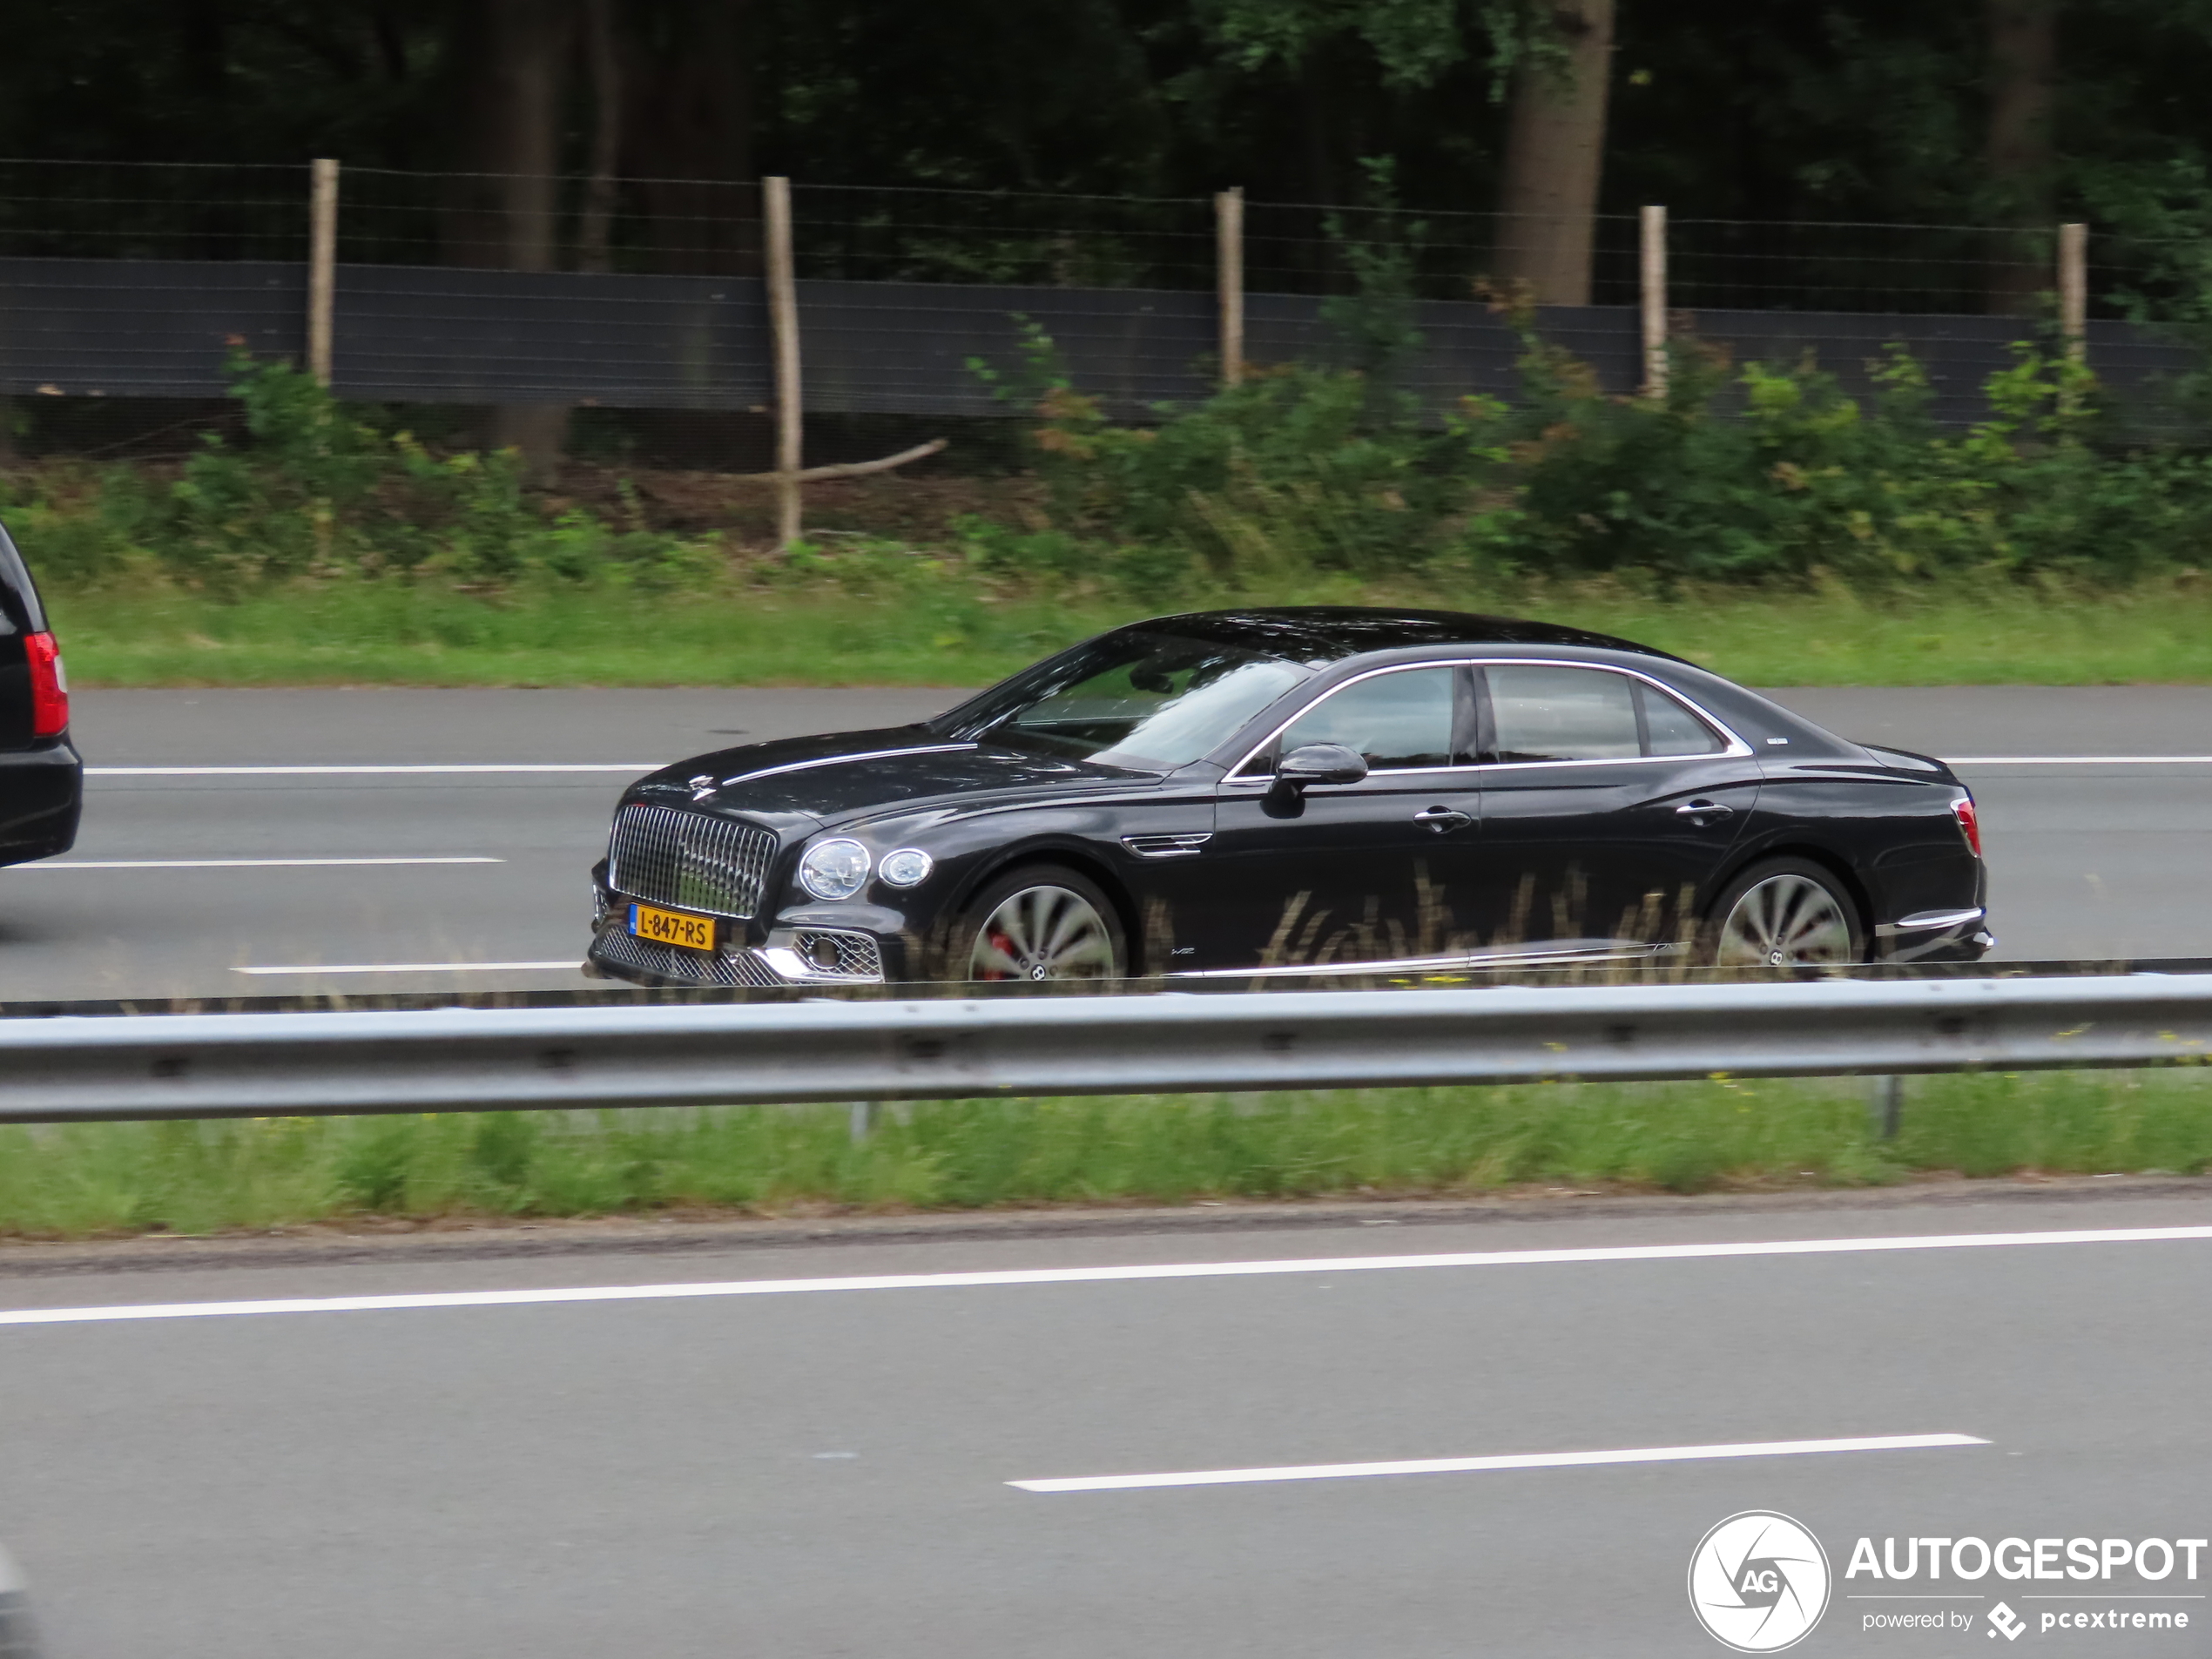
{"x":1969,"y":822}
{"x":48,"y":686}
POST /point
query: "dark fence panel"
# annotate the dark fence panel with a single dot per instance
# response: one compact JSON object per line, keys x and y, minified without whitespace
{"x":906,"y":347}
{"x":438,"y":335}
{"x":142,"y":328}
{"x":435,"y":334}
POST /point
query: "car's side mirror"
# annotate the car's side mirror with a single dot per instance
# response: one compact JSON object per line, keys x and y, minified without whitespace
{"x":1320,"y":763}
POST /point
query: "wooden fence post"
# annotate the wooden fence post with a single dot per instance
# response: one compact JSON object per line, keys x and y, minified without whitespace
{"x":1652,"y":266}
{"x":2074,"y":290}
{"x":1229,"y":265}
{"x":322,"y":267}
{"x":783,"y":323}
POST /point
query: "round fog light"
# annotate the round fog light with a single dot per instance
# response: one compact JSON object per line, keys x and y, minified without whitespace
{"x":909,"y":866}
{"x":824,"y":951}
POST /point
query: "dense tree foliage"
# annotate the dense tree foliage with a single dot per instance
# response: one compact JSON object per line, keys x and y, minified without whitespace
{"x":1853,"y":109}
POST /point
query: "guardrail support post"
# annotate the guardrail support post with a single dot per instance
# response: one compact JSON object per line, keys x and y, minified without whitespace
{"x":1229,"y":267}
{"x":1652,"y":265}
{"x":866,"y":1114}
{"x":783,"y":323}
{"x":322,"y":268}
{"x":1885,"y":1105}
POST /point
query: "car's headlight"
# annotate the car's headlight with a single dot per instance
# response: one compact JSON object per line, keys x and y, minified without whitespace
{"x":908,"y":868}
{"x":834,"y":869}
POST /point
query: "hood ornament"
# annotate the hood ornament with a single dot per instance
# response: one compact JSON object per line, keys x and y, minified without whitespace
{"x":701,"y":787}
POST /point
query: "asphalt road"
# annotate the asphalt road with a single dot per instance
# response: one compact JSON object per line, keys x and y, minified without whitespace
{"x":825,"y":1472}
{"x":2087,"y":861}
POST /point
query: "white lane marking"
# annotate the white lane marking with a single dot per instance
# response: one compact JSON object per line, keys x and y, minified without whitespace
{"x":1077,"y":1275}
{"x":573,"y":964}
{"x":2082,"y":760}
{"x":635,"y":768}
{"x":1474,"y":1465}
{"x":236,"y":863}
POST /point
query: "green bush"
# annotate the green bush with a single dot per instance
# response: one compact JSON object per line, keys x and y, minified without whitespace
{"x":1758,"y":474}
{"x":316,"y":493}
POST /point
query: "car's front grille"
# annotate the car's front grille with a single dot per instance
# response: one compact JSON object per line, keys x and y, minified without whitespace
{"x":692,"y":860}
{"x":617,"y":947}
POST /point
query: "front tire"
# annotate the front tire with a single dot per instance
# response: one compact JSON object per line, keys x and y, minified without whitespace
{"x":1784,"y":913}
{"x":1040,"y":922}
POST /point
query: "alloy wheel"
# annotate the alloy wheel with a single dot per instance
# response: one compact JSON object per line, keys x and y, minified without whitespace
{"x":1785,"y":921}
{"x":1043,"y":933}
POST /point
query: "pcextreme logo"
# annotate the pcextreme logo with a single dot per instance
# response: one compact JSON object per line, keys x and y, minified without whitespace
{"x":1758,"y":1582}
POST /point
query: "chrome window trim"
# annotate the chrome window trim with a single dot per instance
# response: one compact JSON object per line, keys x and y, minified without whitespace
{"x":1737,"y":749}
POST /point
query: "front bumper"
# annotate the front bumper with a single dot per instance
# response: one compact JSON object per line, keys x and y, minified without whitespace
{"x":789,"y":956}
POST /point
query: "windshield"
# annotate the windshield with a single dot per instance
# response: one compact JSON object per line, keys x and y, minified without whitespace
{"x":1132,"y":698}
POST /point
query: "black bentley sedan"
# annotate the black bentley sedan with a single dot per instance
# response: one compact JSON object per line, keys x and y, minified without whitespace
{"x":1323,"y":790}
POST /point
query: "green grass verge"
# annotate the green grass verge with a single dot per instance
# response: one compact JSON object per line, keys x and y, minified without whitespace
{"x":88,"y":1179}
{"x":944,"y":631}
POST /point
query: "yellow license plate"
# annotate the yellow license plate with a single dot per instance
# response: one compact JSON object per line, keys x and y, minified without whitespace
{"x":672,"y":926}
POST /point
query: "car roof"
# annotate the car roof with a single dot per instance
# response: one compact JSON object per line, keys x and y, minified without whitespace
{"x":1320,"y":634}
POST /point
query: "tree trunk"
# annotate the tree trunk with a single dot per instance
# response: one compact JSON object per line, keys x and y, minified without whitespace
{"x":689,"y":117}
{"x":2023,"y":61}
{"x":1555,"y":155}
{"x":603,"y":64}
{"x":507,"y":219}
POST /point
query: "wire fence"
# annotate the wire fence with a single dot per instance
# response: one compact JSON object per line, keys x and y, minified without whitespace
{"x":215,"y":212}
{"x":129,"y":282}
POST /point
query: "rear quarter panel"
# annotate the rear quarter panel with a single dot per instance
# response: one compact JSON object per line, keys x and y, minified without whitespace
{"x":1893,"y":836}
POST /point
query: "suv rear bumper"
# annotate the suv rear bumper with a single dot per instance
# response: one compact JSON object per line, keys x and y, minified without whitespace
{"x":42,"y":795}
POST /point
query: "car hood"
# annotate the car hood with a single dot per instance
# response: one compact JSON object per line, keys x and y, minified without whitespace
{"x":856,"y":773}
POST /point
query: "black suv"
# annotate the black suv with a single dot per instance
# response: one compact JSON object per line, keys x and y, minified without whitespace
{"x":42,"y":778}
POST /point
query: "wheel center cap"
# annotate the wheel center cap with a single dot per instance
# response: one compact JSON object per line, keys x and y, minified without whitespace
{"x":1774,"y":959}
{"x":1037,"y":971}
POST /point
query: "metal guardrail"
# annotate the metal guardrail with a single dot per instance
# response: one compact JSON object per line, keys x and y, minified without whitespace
{"x":260,"y":1065}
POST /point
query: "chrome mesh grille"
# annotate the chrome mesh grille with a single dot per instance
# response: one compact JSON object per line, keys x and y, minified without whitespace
{"x":856,"y":955}
{"x":692,"y":860}
{"x":618,"y":948}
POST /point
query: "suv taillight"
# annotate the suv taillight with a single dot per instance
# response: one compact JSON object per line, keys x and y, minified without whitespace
{"x":1969,"y":822}
{"x":48,"y":686}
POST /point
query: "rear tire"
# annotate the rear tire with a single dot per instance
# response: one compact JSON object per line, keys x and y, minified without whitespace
{"x":1784,"y":913}
{"x":1040,"y":922}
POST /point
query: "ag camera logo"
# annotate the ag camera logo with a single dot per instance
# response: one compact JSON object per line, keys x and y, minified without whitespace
{"x":1758,"y":1582}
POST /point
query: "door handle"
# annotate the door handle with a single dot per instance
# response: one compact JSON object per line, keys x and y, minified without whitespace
{"x":1698,"y":811}
{"x":1442,"y":819}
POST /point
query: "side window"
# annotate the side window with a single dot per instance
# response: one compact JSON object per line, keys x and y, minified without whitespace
{"x":1563,"y":714}
{"x":1671,"y":729}
{"x":1396,"y":719}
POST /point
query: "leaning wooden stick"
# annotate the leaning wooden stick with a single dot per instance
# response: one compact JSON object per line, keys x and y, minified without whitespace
{"x":846,"y":468}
